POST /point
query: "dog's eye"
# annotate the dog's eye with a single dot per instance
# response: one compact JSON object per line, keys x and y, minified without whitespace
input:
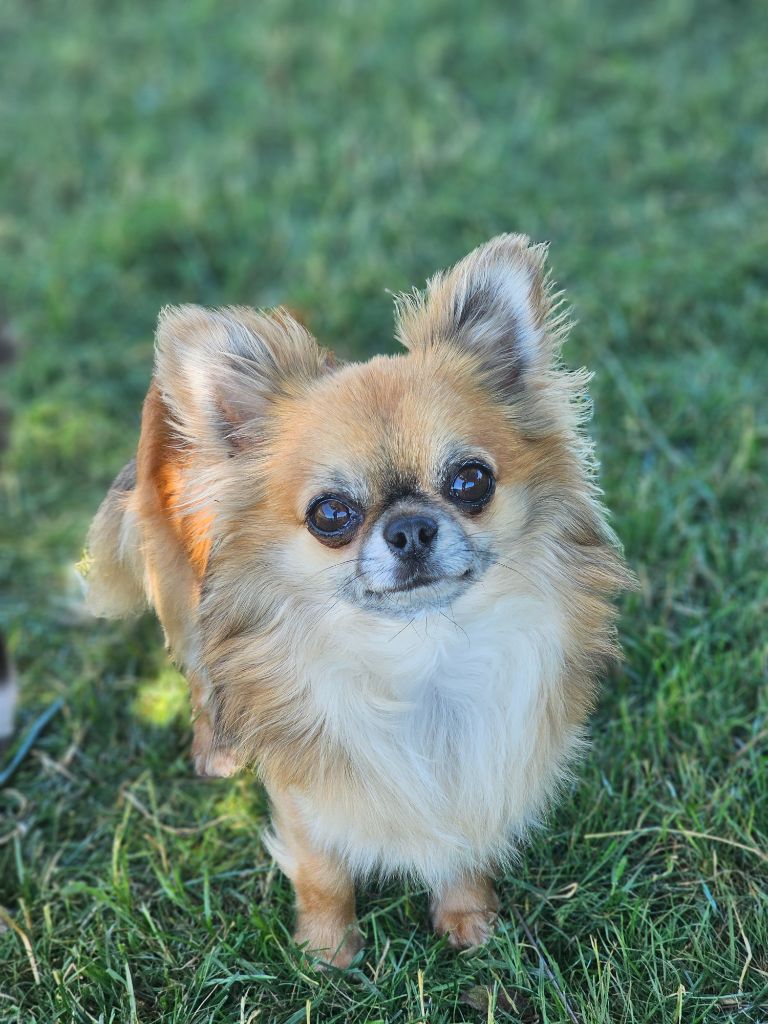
{"x":471,"y":485}
{"x":332,"y":520}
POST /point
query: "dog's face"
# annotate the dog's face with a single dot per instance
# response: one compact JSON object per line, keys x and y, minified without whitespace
{"x":399,"y":486}
{"x":392,"y":485}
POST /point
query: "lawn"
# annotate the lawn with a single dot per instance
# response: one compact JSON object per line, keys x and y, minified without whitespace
{"x":323,"y":156}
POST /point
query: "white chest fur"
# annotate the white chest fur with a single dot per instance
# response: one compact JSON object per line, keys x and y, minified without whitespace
{"x":455,"y":729}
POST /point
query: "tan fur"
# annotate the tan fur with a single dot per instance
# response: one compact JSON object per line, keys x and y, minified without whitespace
{"x":245,"y":423}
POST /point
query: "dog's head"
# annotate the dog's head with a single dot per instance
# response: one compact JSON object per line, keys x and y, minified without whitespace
{"x":393,"y":485}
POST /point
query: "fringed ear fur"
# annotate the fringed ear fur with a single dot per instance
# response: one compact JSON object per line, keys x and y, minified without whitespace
{"x":218,"y":371}
{"x":496,"y":304}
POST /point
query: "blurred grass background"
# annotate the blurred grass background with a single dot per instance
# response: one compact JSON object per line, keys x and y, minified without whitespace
{"x":319,"y":156}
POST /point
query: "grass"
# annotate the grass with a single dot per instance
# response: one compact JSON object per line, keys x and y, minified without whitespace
{"x":319,"y":155}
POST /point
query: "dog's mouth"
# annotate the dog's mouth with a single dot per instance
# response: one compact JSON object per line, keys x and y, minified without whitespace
{"x":421,"y":583}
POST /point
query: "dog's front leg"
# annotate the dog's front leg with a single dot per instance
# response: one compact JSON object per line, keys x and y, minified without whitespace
{"x":466,"y":911}
{"x":325,"y":892}
{"x":209,"y":759}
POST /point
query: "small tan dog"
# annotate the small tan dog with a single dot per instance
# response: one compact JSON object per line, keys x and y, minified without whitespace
{"x":388,"y":583}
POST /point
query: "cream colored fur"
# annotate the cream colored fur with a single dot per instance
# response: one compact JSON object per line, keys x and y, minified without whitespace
{"x":453,"y":728}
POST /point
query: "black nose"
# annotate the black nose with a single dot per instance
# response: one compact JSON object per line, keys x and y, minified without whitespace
{"x":410,"y":536}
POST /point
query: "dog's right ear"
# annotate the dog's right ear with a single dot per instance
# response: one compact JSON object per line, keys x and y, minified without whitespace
{"x":220,"y":370}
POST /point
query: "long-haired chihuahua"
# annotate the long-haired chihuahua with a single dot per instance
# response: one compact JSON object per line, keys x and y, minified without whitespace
{"x":389,"y":583}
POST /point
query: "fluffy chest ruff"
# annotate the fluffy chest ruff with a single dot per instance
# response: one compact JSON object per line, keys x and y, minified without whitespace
{"x":442,"y":739}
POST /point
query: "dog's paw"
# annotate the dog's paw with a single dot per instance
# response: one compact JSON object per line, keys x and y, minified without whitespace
{"x":465,"y":928}
{"x":333,"y":945}
{"x":210,"y":760}
{"x":212,"y":763}
{"x":466,"y":913}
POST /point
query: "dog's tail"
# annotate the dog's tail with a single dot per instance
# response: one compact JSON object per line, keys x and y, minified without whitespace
{"x":113,"y":566}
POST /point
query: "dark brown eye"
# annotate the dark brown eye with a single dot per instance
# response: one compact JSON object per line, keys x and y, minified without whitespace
{"x":332,"y":520}
{"x":471,"y":485}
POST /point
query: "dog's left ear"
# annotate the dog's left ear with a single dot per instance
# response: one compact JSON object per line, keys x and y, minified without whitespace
{"x":497,"y":305}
